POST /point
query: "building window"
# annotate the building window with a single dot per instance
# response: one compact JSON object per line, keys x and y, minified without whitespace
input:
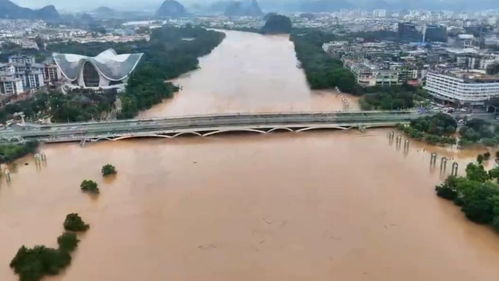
{"x":90,"y":75}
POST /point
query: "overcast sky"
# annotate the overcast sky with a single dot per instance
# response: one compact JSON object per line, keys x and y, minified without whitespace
{"x":75,"y":5}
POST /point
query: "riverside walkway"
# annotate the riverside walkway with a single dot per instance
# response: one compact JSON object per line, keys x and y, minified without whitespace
{"x":203,"y":126}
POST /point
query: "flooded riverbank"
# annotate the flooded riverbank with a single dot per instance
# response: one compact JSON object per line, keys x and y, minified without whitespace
{"x":324,"y":205}
{"x":249,"y":72}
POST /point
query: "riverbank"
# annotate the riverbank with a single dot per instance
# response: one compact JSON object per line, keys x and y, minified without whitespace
{"x":258,"y":81}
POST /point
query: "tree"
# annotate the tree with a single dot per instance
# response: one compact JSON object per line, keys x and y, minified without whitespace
{"x":108,"y":170}
{"x":74,"y":222}
{"x":479,"y":204}
{"x":89,"y":186}
{"x":480,"y":159}
{"x":447,"y":190}
{"x":476,"y":172}
{"x":33,"y":264}
{"x":486,"y":156}
{"x":494,"y":173}
{"x":67,"y":242}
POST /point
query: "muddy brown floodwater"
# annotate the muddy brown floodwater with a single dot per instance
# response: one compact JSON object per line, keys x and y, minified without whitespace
{"x":327,"y":205}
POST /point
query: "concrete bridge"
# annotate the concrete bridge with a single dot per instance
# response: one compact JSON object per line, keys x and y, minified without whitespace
{"x":204,"y":126}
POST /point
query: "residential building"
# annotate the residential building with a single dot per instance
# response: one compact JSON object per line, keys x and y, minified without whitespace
{"x":369,"y":75}
{"x":25,"y":69}
{"x":10,"y":85}
{"x":51,"y":73}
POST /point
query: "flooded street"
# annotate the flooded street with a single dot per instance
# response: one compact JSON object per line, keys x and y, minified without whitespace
{"x":322,"y":206}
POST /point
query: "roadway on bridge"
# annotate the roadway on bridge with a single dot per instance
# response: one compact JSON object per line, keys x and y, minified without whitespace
{"x":203,"y":124}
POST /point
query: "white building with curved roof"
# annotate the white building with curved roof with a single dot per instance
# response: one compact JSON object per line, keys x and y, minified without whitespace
{"x":108,"y":70}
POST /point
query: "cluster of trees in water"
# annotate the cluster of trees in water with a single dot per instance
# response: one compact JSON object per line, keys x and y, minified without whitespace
{"x":321,"y":70}
{"x":442,"y":129}
{"x":437,"y":129}
{"x":32,"y":264}
{"x":477,"y":193}
{"x":479,"y":131}
{"x":11,"y":152}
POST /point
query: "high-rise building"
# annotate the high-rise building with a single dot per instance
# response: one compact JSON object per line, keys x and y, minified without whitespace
{"x":25,"y":69}
{"x":10,"y":85}
{"x":436,"y":33}
{"x":407,"y":32}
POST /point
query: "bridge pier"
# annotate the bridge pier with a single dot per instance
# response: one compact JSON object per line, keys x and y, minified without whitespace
{"x":443,"y":164}
{"x":455,"y":168}
{"x":433,"y":159}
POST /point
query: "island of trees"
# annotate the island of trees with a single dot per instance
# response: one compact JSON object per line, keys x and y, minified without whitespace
{"x":32,"y":264}
{"x":477,"y":194}
{"x":437,"y":129}
{"x":108,"y":170}
{"x":442,"y":129}
{"x":89,"y":186}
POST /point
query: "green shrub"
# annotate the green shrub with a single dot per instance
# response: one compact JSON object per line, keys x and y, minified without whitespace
{"x":477,"y":196}
{"x":33,"y":264}
{"x":108,"y":170}
{"x":89,"y":186}
{"x":446,"y":192}
{"x":74,"y":222}
{"x":67,"y":242}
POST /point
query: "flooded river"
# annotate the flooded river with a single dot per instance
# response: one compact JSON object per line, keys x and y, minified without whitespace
{"x":326,"y":205}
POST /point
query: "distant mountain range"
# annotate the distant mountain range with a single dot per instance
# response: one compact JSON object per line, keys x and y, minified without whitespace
{"x":171,"y":8}
{"x":12,"y":11}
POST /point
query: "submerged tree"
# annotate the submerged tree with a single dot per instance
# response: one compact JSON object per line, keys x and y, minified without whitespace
{"x":108,"y":170}
{"x":68,"y":242}
{"x":74,"y":222}
{"x":33,"y":264}
{"x":89,"y":186}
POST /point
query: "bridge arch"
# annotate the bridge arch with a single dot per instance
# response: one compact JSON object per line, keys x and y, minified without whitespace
{"x":314,"y":128}
{"x":142,"y":136}
{"x":280,"y":129}
{"x":235,"y":130}
{"x":187,"y":133}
